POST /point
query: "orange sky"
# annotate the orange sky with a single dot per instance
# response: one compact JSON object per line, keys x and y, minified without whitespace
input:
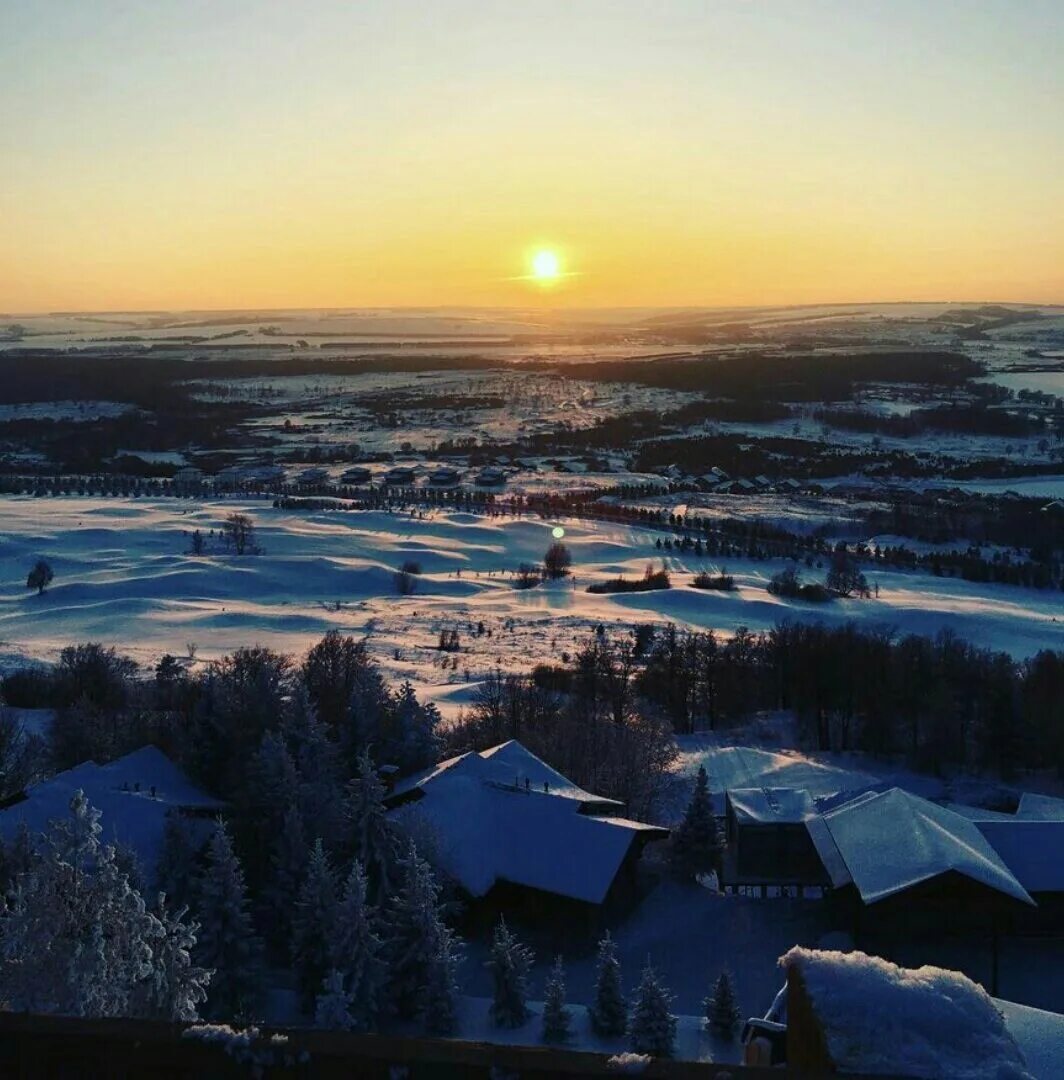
{"x":238,"y":154}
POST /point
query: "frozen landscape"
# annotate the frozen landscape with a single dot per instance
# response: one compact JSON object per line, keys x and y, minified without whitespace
{"x":593,"y":551}
{"x":125,"y":576}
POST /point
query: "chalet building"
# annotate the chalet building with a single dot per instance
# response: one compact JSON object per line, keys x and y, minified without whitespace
{"x":893,"y":859}
{"x":399,"y":476}
{"x":768,"y":838}
{"x":491,"y":476}
{"x":357,"y":474}
{"x":884,"y":854}
{"x":315,"y":475}
{"x":1033,"y":850}
{"x":136,"y":795}
{"x":444,"y":476}
{"x":513,"y":832}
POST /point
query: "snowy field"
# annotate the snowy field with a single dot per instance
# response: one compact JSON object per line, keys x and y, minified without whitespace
{"x":76,"y":411}
{"x":123,"y":576}
{"x":385,"y":411}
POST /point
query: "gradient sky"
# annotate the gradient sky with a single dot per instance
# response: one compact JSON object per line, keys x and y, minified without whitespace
{"x":224,"y":153}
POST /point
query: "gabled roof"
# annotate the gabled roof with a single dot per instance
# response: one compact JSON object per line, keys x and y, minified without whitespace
{"x":490,"y":827}
{"x":509,"y":764}
{"x":122,"y":791}
{"x":771,"y":806}
{"x":893,"y":840}
{"x":1040,"y":807}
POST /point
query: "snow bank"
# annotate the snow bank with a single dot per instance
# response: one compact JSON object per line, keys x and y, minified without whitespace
{"x":882,"y":1019}
{"x":1040,"y":1035}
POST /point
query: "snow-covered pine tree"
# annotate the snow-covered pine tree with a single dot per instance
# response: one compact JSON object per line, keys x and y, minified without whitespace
{"x":358,"y":952}
{"x":288,"y":868}
{"x":696,"y":842}
{"x":332,"y":1010}
{"x":509,"y":963}
{"x":75,"y":937}
{"x":608,"y":1012}
{"x":314,"y":924}
{"x":439,"y":1006}
{"x":371,"y":838}
{"x":721,"y":1007}
{"x":226,"y":941}
{"x":652,"y":1029}
{"x":176,"y":986}
{"x":419,"y":949}
{"x":557,"y":1019}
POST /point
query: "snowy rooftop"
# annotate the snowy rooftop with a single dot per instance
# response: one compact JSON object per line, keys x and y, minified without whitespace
{"x":892,"y":840}
{"x":881,"y":1019}
{"x":1032,"y":850}
{"x":490,"y":827}
{"x":1040,"y":807}
{"x":122,"y":791}
{"x":510,"y":765}
{"x":771,"y":806}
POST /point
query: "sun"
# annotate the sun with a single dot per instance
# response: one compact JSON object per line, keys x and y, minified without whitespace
{"x":546,"y":266}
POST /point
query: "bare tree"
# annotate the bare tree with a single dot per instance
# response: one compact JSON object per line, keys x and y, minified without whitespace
{"x":239,"y":531}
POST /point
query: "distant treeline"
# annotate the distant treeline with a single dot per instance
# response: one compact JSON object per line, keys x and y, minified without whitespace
{"x":148,"y":378}
{"x":771,"y":377}
{"x":151,"y":380}
{"x":966,"y":420}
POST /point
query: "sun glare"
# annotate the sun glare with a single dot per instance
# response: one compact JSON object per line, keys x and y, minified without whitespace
{"x":546,"y":266}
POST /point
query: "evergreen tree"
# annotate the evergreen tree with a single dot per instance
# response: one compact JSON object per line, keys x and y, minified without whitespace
{"x":420,"y":950}
{"x":557,"y":1019}
{"x":178,"y":865}
{"x":177,"y":986}
{"x":371,"y":838}
{"x":652,"y":1029}
{"x":76,"y":937}
{"x":314,"y":924}
{"x":721,"y":1008}
{"x":332,"y":1009}
{"x":271,"y":783}
{"x":696,"y":843}
{"x":413,"y":742}
{"x":317,"y":764}
{"x":441,"y":985}
{"x":608,"y":1012}
{"x":368,"y":712}
{"x":357,"y":952}
{"x":227,"y":941}
{"x":288,"y":868}
{"x":509,"y":963}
